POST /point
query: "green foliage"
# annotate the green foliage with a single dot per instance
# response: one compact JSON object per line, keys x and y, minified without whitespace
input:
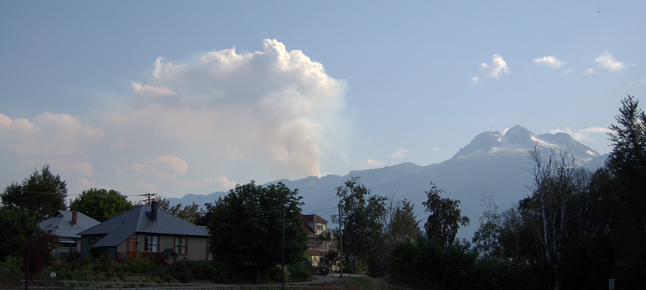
{"x":101,"y":204}
{"x":299,"y":272}
{"x":246,"y":227}
{"x":41,"y":195}
{"x":444,"y":218}
{"x":191,"y":213}
{"x":14,"y":223}
{"x":403,"y":224}
{"x":488,"y":234}
{"x":274,"y":273}
{"x":41,"y":244}
{"x":181,"y":270}
{"x":362,"y":217}
{"x":96,"y":252}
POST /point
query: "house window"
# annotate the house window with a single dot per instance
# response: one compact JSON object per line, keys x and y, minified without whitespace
{"x":181,"y":246}
{"x":152,"y":244}
{"x":91,"y":241}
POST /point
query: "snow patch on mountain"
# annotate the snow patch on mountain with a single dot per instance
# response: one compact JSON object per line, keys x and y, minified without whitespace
{"x":519,"y":140}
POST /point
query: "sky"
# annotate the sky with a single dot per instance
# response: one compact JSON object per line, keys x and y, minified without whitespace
{"x":194,"y":97}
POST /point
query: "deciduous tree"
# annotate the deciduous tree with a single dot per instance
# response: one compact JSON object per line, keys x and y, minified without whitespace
{"x":246,"y":228}
{"x":41,"y":195}
{"x":444,"y":218}
{"x":101,"y":204}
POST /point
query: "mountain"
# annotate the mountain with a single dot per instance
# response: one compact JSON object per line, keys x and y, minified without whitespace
{"x":493,"y":164}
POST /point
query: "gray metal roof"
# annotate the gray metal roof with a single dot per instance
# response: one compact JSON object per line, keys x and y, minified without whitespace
{"x":61,"y":224}
{"x":137,"y":220}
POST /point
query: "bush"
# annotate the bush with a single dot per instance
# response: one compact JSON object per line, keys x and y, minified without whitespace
{"x":96,"y":252}
{"x":181,"y":270}
{"x":274,"y":273}
{"x":300,"y":273}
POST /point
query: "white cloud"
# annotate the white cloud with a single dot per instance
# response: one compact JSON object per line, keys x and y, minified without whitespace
{"x":475,"y":80}
{"x":566,"y":71}
{"x":607,"y":61}
{"x":56,"y":139}
{"x":263,"y":115}
{"x":549,"y":61}
{"x":150,"y":91}
{"x":375,"y":163}
{"x":583,"y":134}
{"x":436,"y":149}
{"x":166,"y":168}
{"x":497,"y":67}
{"x":399,"y":153}
{"x":588,"y":71}
{"x":642,"y":81}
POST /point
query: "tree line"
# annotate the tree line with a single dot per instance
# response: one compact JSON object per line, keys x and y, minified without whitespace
{"x":575,"y":229}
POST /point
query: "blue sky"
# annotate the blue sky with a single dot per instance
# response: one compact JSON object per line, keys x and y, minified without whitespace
{"x":178,"y":98}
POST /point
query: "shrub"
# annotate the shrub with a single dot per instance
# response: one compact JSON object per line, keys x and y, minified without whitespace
{"x":300,"y":272}
{"x":181,"y":270}
{"x":274,"y":273}
{"x":96,"y":252}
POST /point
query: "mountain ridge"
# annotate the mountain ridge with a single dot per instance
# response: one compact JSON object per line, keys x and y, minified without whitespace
{"x":492,"y":164}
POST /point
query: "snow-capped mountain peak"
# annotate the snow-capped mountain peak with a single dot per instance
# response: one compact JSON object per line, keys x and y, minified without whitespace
{"x":520,"y":140}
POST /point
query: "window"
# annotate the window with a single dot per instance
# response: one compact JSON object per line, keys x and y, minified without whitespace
{"x":181,"y":246}
{"x":152,"y":244}
{"x":91,"y":241}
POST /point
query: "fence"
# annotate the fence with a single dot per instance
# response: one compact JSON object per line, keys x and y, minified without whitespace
{"x":88,"y":285}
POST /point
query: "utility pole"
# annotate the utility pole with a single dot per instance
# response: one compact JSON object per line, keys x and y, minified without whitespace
{"x":282,"y":274}
{"x":340,"y":241}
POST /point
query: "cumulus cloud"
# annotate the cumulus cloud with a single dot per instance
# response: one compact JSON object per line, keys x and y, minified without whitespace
{"x":475,"y":80}
{"x":260,"y":115}
{"x":607,"y":61}
{"x":582,"y":134}
{"x":588,"y":71}
{"x":566,"y":71}
{"x":56,"y":139}
{"x":374,"y":163}
{"x":549,"y":61}
{"x":642,"y":81}
{"x":496,"y":68}
{"x":399,"y":153}
{"x":436,"y":149}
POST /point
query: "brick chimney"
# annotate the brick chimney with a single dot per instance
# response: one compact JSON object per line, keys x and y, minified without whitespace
{"x":153,"y":211}
{"x":74,"y":218}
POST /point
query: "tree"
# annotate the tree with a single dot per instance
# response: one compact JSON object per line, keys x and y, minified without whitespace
{"x":556,"y":180}
{"x":101,"y":204}
{"x":13,"y":225}
{"x":246,"y":228}
{"x":190,"y":213}
{"x":628,"y":163}
{"x":444,"y":218}
{"x":41,"y":245}
{"x":361,"y":215}
{"x":41,"y":195}
{"x":486,"y":238}
{"x":403,"y":224}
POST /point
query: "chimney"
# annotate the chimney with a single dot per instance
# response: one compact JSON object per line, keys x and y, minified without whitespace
{"x":74,"y":218}
{"x":153,"y":212}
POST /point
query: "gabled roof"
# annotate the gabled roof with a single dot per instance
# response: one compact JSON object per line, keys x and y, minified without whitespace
{"x":310,"y":218}
{"x":61,"y":224}
{"x":137,"y":220}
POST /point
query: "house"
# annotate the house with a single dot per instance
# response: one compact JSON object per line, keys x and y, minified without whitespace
{"x":316,"y":229}
{"x":67,"y":225}
{"x":147,"y":232}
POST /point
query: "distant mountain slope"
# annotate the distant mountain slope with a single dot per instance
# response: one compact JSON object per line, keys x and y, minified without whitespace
{"x":492,"y":164}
